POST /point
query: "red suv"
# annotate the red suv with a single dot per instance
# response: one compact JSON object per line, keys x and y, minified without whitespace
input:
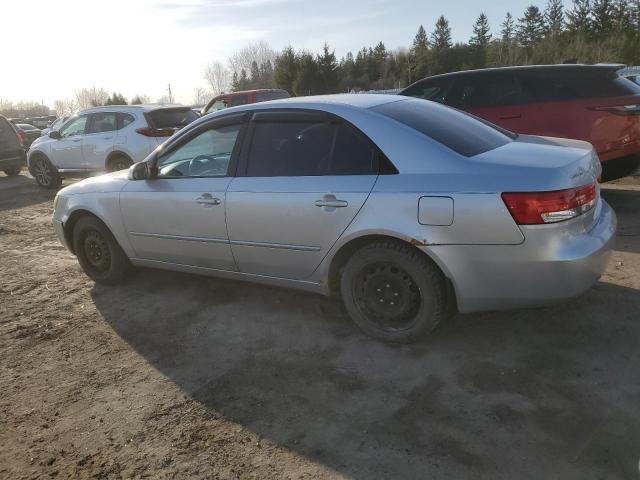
{"x":585,"y":102}
{"x":242,"y":98}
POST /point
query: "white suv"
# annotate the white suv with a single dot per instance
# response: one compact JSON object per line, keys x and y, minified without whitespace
{"x":102,"y":139}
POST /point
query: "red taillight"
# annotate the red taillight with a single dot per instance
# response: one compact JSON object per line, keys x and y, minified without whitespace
{"x":155,"y":132}
{"x":624,"y":110}
{"x":21,"y":136}
{"x":535,"y":208}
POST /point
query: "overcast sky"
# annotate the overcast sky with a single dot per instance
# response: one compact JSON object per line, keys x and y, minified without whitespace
{"x":140,"y":46}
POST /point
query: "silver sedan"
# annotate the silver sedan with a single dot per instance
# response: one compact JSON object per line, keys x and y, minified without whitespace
{"x":401,"y":207}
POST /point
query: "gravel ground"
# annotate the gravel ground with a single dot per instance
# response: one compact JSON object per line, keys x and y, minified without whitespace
{"x":179,"y":376}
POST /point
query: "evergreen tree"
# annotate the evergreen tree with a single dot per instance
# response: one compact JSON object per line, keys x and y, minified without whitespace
{"x":554,"y":18}
{"x":286,"y":70}
{"x":419,"y":56}
{"x":308,"y":73}
{"x":508,"y":28}
{"x":579,"y":17}
{"x":602,"y":12}
{"x":116,"y":99}
{"x":479,"y":41}
{"x":531,"y":27}
{"x":622,"y":14}
{"x":254,"y":76}
{"x":481,"y":36}
{"x":441,"y":36}
{"x":328,"y":69}
{"x":235,"y":82}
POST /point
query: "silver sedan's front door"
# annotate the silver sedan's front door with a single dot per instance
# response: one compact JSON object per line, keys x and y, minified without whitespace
{"x":179,"y":217}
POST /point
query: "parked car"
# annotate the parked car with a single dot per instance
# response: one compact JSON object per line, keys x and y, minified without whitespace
{"x":39,"y":122}
{"x":103,"y":138}
{"x":12,"y":156}
{"x":234,"y":99}
{"x":55,"y":125}
{"x":584,"y":102}
{"x":27,"y":133}
{"x":399,"y":206}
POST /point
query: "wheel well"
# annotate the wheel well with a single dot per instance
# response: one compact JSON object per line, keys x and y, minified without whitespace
{"x":351,"y":247}
{"x":113,"y":155}
{"x":70,"y":224}
{"x":35,"y":155}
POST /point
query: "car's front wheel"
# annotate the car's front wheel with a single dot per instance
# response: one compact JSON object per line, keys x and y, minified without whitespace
{"x":12,"y":171}
{"x":98,"y":252}
{"x":45,"y":173}
{"x":393,"y":292}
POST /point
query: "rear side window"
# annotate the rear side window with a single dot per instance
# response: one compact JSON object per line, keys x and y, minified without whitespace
{"x":436,"y":91}
{"x":102,"y":122}
{"x":264,"y":96}
{"x":239,"y":100}
{"x":171,"y":117}
{"x":489,"y":90}
{"x":456,"y":130}
{"x":125,"y":119}
{"x":285,"y":149}
{"x":575,"y":83}
{"x":308,"y":148}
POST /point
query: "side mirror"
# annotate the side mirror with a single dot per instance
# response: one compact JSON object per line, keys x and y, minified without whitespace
{"x":55,"y":134}
{"x":139,"y":171}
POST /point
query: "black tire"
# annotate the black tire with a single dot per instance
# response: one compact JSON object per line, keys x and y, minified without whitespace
{"x":118,"y":162}
{"x":13,"y":170}
{"x":393,"y":292}
{"x":45,"y":173}
{"x":98,"y":252}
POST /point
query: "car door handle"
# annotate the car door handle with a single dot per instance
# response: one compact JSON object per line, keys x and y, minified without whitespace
{"x":330,"y":201}
{"x":107,"y":138}
{"x":510,"y":117}
{"x":76,"y":139}
{"x":207,"y":200}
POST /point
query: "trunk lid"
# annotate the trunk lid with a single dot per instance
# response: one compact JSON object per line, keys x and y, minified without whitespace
{"x":9,"y":142}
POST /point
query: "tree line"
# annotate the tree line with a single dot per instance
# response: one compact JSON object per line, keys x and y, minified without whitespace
{"x":589,"y":31}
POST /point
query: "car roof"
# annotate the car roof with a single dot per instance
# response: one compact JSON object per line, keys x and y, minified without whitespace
{"x":257,"y":90}
{"x":145,"y":107}
{"x":357,"y":100}
{"x":567,"y":66}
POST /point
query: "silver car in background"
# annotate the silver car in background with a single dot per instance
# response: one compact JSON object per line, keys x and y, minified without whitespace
{"x":401,"y":207}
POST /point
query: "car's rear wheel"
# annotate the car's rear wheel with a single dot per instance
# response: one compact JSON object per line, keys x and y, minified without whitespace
{"x":118,"y":162}
{"x":45,"y":173}
{"x":12,"y":171}
{"x":393,"y":292}
{"x":98,"y":252}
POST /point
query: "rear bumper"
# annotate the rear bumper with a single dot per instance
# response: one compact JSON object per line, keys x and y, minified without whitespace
{"x":543,"y":270}
{"x":13,"y":160}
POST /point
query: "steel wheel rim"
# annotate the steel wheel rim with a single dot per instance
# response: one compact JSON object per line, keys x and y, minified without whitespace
{"x":96,"y":251}
{"x":387,"y":295}
{"x":42,"y":172}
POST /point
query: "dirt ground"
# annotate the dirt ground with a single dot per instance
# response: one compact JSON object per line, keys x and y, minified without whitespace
{"x":180,"y":376}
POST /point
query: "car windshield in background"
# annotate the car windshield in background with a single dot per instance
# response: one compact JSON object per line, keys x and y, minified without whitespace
{"x":25,"y":126}
{"x":456,"y":130}
{"x":171,"y":117}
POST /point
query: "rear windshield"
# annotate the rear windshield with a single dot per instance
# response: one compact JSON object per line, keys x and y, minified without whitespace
{"x":454,"y":129}
{"x":171,"y":117}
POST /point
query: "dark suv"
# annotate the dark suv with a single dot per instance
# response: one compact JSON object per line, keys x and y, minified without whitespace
{"x":584,"y":102}
{"x":12,"y":155}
